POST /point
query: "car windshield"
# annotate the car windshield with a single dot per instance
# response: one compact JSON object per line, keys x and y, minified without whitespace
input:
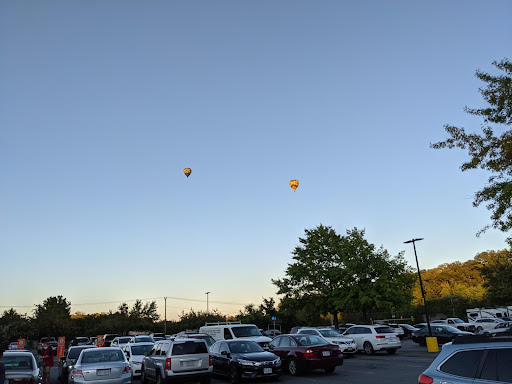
{"x":244,"y":347}
{"x":457,"y":320}
{"x":124,"y":340}
{"x":101,"y":355}
{"x":329,"y":333}
{"x":75,"y":352}
{"x":310,"y":340}
{"x":247,"y":331}
{"x":143,"y":339}
{"x":141,"y":349}
{"x":384,"y":330}
{"x":17,"y":362}
{"x":110,"y":337}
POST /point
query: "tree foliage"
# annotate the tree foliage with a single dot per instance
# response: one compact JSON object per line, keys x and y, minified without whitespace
{"x":497,"y":272}
{"x":490,"y":150}
{"x":53,"y":317}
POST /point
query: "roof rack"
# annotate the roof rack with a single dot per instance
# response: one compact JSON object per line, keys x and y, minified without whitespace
{"x":471,"y":339}
{"x":224,"y":322}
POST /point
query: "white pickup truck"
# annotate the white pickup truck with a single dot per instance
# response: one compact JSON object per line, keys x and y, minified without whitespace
{"x":456,"y":323}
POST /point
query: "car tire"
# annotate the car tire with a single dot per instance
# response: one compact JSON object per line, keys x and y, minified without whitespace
{"x":143,"y":377}
{"x":330,"y":369}
{"x":293,"y":367}
{"x":391,"y":351}
{"x":368,"y":348}
{"x":422,"y":341}
{"x":158,"y":378}
{"x":479,"y":328}
{"x":234,"y":375}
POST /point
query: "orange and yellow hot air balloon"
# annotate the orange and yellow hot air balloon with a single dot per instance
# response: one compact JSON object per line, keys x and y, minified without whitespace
{"x":187,"y":172}
{"x":294,"y":184}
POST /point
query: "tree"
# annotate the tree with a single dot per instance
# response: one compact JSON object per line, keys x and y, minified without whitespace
{"x":331,"y":273}
{"x":497,"y":272}
{"x":490,"y":150}
{"x":53,"y":318}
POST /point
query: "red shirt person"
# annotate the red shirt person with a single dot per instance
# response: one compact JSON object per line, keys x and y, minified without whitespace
{"x":48,"y":361}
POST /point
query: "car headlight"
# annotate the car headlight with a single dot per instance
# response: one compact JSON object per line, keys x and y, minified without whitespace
{"x":247,"y":363}
{"x":277,"y":362}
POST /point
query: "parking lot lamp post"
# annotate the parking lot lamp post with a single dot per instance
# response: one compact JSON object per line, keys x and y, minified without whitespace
{"x":207,"y":308}
{"x":165,"y":316}
{"x":413,"y":241}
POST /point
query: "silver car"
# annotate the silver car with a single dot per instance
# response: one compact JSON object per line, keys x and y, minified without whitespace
{"x":106,"y":365}
{"x":21,"y":366}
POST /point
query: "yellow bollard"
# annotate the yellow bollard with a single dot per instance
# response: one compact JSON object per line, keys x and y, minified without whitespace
{"x":432,"y":345}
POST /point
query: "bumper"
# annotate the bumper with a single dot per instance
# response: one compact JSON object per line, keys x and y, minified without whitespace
{"x":125,"y":379}
{"x":187,"y":377}
{"x":257,"y":372}
{"x":316,"y":363}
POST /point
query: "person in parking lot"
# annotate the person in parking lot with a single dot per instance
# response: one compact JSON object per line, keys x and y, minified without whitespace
{"x":47,"y":361}
{"x":2,"y":367}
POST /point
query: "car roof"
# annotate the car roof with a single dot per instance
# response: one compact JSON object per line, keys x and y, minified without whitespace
{"x":18,"y":351}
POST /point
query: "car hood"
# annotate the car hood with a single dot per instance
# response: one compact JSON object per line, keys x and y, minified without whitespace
{"x":256,"y":356}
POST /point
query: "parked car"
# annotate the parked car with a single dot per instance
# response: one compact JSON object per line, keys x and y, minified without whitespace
{"x":79,"y":341}
{"x":443,"y":333}
{"x":500,"y":328}
{"x":475,"y":360}
{"x":408,"y":329}
{"x":101,"y":365}
{"x":21,"y":367}
{"x":158,"y":336}
{"x":141,"y":339}
{"x":456,"y":323}
{"x":182,"y":359}
{"x":346,"y":344}
{"x":13,"y":345}
{"x":196,"y":335}
{"x":271,"y":332}
{"x":306,"y":352}
{"x":372,"y":338}
{"x":107,"y":339}
{"x":243,"y":359}
{"x":489,"y":323}
{"x":234,"y":330}
{"x":135,"y":354}
{"x":67,"y":362}
{"x":343,"y":327}
{"x":398,"y":330}
{"x":120,"y":341}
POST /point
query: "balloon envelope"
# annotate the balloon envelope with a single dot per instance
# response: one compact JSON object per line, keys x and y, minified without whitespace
{"x":187,"y":172}
{"x":294,"y":184}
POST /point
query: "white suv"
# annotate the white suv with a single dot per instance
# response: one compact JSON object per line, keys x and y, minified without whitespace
{"x":347,"y":345}
{"x":487,"y":323}
{"x":371,"y":338}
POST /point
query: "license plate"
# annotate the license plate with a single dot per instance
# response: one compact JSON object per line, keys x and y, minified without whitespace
{"x":267,"y":371}
{"x":190,"y":363}
{"x":326,"y":353}
{"x":103,"y":372}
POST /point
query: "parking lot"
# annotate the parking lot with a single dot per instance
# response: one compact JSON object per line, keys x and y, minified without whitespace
{"x":404,"y":367}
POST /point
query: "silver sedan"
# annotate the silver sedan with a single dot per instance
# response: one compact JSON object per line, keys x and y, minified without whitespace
{"x":101,"y":366}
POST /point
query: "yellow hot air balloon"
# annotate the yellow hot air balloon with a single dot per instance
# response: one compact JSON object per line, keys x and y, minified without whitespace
{"x":294,"y":184}
{"x":187,"y":172}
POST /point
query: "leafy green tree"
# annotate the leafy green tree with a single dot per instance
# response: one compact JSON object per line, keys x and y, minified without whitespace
{"x":14,"y":326}
{"x":490,"y":150}
{"x":53,"y":318}
{"x":497,"y":272}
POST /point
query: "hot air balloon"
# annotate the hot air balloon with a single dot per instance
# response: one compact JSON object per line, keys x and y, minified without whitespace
{"x":187,"y":172}
{"x":294,"y":184}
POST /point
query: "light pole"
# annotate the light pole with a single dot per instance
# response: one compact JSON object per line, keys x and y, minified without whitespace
{"x":207,"y":308}
{"x":413,"y":241}
{"x":165,"y":316}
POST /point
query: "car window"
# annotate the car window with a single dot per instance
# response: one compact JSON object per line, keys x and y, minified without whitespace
{"x":464,"y":363}
{"x":189,"y":348}
{"x":307,"y":331}
{"x":215,"y":348}
{"x":244,"y":347}
{"x":164,"y":349}
{"x":101,"y":355}
{"x":274,"y":343}
{"x":497,"y":366}
{"x":310,"y":340}
{"x":384,"y":330}
{"x":141,"y":349}
{"x":17,"y":362}
{"x":224,"y":348}
{"x":367,"y":330}
{"x":246,"y":331}
{"x":227,"y":334}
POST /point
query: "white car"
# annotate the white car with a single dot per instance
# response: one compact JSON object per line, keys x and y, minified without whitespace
{"x":13,"y":345}
{"x":371,"y":338}
{"x":135,"y":353}
{"x":120,"y":341}
{"x":488,"y":323}
{"x":346,"y":344}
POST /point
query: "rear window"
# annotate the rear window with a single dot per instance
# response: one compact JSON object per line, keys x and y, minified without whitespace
{"x":141,"y":349}
{"x":189,"y":348}
{"x":17,"y":363}
{"x":384,"y":330}
{"x":463,"y":363}
{"x":110,"y":337}
{"x":101,"y":356}
{"x":310,"y":340}
{"x":75,"y":352}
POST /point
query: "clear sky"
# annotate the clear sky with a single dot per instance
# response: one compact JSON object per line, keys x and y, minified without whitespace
{"x":103,"y":103}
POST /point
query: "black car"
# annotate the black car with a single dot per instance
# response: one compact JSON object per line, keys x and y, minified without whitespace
{"x":67,"y":362}
{"x":408,"y":329}
{"x":443,"y":333}
{"x":243,"y":359}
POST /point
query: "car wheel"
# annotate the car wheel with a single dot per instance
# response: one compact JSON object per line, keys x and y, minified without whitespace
{"x":479,"y":328}
{"x":158,"y":378}
{"x":391,"y":351}
{"x":234,"y":376}
{"x":143,"y":378}
{"x":422,"y":342}
{"x":293,"y":367}
{"x":330,"y":369}
{"x":368,"y":348}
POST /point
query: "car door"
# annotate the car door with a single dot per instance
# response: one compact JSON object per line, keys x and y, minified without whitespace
{"x":224,"y":359}
{"x":151,"y":368}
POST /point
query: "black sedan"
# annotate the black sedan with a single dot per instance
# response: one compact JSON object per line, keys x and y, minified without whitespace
{"x":408,"y":329}
{"x":67,"y":362}
{"x":443,"y":333}
{"x":243,"y":359}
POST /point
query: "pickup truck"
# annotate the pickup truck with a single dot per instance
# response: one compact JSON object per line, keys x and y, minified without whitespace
{"x":51,"y":342}
{"x":456,"y":323}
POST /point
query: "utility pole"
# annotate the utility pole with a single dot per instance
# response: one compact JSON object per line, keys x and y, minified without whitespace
{"x":207,"y":306}
{"x":413,"y":241}
{"x":165,"y":315}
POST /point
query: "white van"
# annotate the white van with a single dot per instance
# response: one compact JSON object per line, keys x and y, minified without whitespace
{"x":226,"y":330}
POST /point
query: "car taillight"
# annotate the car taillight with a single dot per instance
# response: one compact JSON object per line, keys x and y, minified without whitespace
{"x":380,"y":337}
{"x":127,"y":369}
{"x":168,"y":364}
{"x":423,"y":379}
{"x":309,"y":353}
{"x":78,"y":373}
{"x":210,"y":362}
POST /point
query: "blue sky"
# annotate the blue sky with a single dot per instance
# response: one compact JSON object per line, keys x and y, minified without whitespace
{"x":103,"y":103}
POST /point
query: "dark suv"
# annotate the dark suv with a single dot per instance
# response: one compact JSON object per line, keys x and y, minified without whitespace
{"x":472,"y":359}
